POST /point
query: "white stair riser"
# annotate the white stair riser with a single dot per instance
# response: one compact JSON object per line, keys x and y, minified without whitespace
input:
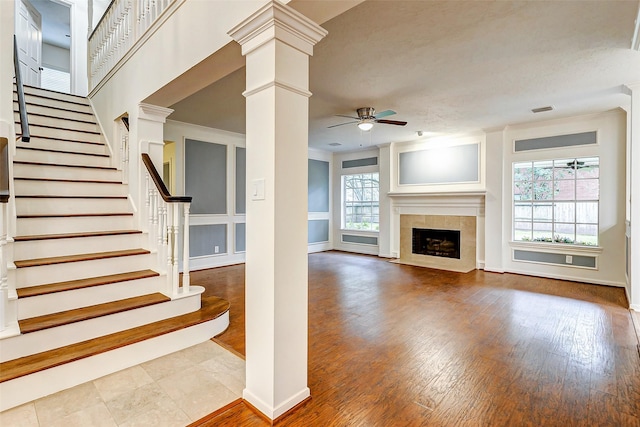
{"x":48,"y":339}
{"x":27,"y":155}
{"x":53,"y":103}
{"x":56,"y":121}
{"x":64,"y":134}
{"x":63,"y":188}
{"x":70,"y":300}
{"x":56,"y":206}
{"x":44,"y":274}
{"x":28,"y":388}
{"x":31,"y":226}
{"x":62,"y":172}
{"x":34,"y":91}
{"x":75,"y":246}
{"x":54,"y":144}
{"x":57,"y":112}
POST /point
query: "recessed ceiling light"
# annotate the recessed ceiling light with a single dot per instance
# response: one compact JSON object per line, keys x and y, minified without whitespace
{"x":542,"y":109}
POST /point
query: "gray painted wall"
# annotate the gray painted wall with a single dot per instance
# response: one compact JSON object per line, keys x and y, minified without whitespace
{"x":426,"y":166}
{"x":204,"y":238}
{"x":241,"y":180}
{"x":318,"y":186}
{"x":206,"y":176}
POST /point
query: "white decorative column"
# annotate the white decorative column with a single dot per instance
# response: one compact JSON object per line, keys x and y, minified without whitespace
{"x":277,"y":42}
{"x":633,"y":164}
{"x":493,"y":204}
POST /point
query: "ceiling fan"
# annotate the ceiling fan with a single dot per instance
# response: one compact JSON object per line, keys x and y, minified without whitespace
{"x":367,"y":117}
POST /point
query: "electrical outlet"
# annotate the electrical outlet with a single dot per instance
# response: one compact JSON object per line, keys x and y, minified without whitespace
{"x":216,"y":249}
{"x":569,"y":259}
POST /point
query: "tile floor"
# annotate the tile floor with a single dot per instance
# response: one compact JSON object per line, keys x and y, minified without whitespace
{"x":173,"y":390}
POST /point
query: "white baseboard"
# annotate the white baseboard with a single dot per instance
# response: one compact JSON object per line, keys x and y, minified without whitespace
{"x":279,"y":410}
{"x":569,"y":278}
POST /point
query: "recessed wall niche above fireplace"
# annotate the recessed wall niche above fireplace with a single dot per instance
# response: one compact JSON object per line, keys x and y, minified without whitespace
{"x":445,"y":242}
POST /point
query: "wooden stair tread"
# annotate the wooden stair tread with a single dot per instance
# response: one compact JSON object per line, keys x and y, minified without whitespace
{"x":36,"y":104}
{"x":90,"y":132}
{"x":75,"y":215}
{"x":70,"y":285}
{"x":76,"y":258}
{"x":89,"y":122}
{"x":65,"y":139}
{"x":212,"y":307}
{"x":48,"y":321}
{"x":73,"y":235}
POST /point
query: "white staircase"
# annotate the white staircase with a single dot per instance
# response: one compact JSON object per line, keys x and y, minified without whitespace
{"x":90,"y":295}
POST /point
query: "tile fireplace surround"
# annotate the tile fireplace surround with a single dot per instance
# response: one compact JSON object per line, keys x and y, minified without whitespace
{"x":465,"y":224}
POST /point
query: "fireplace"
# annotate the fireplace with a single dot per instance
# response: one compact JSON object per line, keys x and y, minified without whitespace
{"x":441,"y":243}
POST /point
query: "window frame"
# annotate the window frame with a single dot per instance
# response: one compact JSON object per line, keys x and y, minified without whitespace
{"x":373,"y":204}
{"x":554,"y":180}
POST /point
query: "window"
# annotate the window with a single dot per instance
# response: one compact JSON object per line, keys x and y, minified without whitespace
{"x":361,"y":206}
{"x":556,"y":201}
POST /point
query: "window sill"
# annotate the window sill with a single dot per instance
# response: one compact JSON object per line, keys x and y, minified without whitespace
{"x":558,"y":247}
{"x":348,"y":230}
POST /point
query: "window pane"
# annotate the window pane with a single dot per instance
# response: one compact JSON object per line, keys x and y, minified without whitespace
{"x":587,"y":212}
{"x":522,"y":190}
{"x":522,"y":171}
{"x":590,"y":168}
{"x":587,"y":189}
{"x":543,"y":170}
{"x":565,"y":190}
{"x":522,"y":231}
{"x":565,"y":212}
{"x":543,"y":190}
{"x":563,"y":169}
{"x":586,"y":234}
{"x":361,"y":195}
{"x":564,"y":233}
{"x":522,"y":211}
{"x":542,"y":212}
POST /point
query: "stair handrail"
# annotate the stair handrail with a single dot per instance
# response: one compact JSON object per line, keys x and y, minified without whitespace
{"x":4,"y":171}
{"x":164,"y":226}
{"x":22,"y":106}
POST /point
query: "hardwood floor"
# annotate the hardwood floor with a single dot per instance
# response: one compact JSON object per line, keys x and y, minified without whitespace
{"x":395,"y":345}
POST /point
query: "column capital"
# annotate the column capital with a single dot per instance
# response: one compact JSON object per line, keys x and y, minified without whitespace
{"x":153,"y":112}
{"x":277,"y":21}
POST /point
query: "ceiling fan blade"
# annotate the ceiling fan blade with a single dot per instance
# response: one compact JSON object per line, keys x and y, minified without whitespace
{"x":342,"y":124}
{"x":348,"y":117}
{"x":384,"y":114}
{"x":391,"y":122}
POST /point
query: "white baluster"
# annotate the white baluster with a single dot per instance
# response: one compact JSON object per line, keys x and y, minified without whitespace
{"x":175,"y":225}
{"x":186,"y":278}
{"x":4,"y":283}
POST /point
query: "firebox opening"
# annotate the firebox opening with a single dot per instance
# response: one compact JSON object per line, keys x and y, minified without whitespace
{"x":442,"y":243}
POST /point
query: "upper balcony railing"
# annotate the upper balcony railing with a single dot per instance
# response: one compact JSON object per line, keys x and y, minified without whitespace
{"x":122,"y":25}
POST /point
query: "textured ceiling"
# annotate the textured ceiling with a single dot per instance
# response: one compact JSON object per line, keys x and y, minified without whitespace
{"x":450,"y":67}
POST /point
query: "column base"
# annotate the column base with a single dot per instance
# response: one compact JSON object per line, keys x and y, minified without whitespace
{"x":271,"y":412}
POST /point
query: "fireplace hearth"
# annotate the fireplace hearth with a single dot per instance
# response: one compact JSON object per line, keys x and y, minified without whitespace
{"x":440,"y":243}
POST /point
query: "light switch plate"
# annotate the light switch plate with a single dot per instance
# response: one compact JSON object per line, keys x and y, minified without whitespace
{"x":257,"y":189}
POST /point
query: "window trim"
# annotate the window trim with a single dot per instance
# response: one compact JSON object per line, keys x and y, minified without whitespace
{"x":552,"y":222}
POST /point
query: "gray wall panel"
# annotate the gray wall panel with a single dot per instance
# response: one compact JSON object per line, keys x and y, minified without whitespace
{"x":240,"y":237}
{"x":369,"y":161}
{"x":241,"y":180}
{"x":206,"y":176}
{"x":318,"y":231}
{"x":551,"y":258}
{"x":318,"y":186}
{"x":584,"y":138}
{"x":204,"y":238}
{"x":363,"y":240}
{"x":445,"y":165}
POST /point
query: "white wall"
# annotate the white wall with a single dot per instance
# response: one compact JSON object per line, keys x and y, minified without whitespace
{"x":79,"y":36}
{"x":611,"y":130}
{"x":56,"y":57}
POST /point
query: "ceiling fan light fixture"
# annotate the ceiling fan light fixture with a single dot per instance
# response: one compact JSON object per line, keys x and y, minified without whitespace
{"x":365,"y":125}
